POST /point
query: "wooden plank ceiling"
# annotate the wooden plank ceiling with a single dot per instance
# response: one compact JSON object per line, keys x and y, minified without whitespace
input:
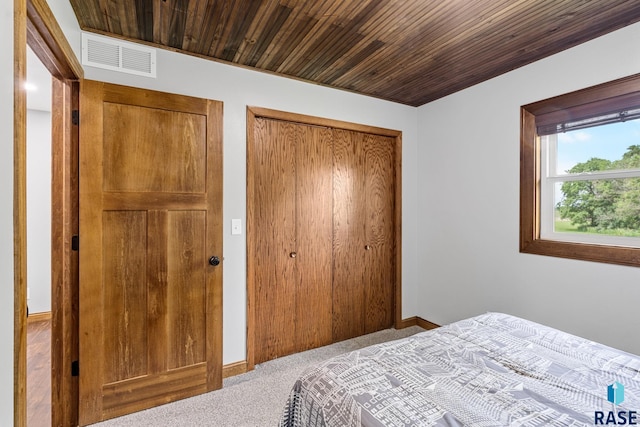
{"x":408,"y":51}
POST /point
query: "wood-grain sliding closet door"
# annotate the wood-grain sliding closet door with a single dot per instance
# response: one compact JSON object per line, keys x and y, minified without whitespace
{"x":150,"y":219}
{"x":292,"y":219}
{"x":364,"y":233}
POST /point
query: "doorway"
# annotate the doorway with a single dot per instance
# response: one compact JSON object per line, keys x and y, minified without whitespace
{"x":35,"y":26}
{"x":39,"y":221}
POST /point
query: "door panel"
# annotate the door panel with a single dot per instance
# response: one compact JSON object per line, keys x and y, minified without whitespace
{"x":124,"y":397}
{"x":150,"y":217}
{"x":275,"y":238}
{"x":348,"y":235}
{"x":133,"y":151}
{"x":314,"y":236}
{"x":293,"y":222}
{"x":379,"y":232}
{"x":364,"y":209}
{"x":124,"y":263}
{"x":186,"y":305}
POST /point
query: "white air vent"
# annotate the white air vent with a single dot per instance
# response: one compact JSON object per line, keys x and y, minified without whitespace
{"x":116,"y":55}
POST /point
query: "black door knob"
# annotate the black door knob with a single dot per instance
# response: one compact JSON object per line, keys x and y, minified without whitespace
{"x":214,"y":260}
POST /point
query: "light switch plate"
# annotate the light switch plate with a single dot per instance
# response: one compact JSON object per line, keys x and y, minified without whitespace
{"x":236,"y":226}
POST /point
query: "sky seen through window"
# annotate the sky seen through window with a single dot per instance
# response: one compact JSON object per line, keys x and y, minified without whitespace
{"x":608,"y":142}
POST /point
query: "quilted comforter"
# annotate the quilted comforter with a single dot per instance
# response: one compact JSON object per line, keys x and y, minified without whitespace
{"x":489,"y":370}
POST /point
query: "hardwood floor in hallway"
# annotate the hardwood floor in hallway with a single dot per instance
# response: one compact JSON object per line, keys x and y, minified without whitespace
{"x":39,"y":371}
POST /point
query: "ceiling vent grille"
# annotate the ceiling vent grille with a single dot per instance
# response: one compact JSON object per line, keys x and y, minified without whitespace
{"x":116,"y":55}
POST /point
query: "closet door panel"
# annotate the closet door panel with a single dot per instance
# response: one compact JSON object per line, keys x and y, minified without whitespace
{"x":348,"y":235}
{"x":274,"y":219}
{"x":314,"y":223}
{"x":379,"y":232}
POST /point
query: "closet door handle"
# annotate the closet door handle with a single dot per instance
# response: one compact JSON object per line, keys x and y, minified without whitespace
{"x":367,"y":247}
{"x":214,"y":260}
{"x":293,"y":254}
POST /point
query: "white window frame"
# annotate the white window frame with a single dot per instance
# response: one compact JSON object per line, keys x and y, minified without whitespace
{"x":549,"y":177}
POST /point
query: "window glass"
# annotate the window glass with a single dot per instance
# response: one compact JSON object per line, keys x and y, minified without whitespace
{"x":591,"y":185}
{"x":609,"y":142}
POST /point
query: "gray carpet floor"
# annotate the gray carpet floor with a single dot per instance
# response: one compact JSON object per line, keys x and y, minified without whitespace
{"x":254,"y":399}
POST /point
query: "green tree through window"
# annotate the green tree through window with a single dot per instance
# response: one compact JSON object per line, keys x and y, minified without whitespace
{"x":604,"y":206}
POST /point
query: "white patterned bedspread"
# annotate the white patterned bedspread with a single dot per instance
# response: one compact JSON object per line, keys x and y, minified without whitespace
{"x":489,"y":370}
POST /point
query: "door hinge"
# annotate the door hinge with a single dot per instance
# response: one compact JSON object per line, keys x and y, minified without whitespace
{"x":75,"y":242}
{"x":75,"y":368}
{"x":75,"y":117}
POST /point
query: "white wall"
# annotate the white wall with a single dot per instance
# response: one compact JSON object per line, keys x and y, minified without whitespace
{"x":6,"y":209}
{"x":460,"y":253}
{"x":469,"y":202}
{"x":39,"y":210}
{"x":237,"y":88}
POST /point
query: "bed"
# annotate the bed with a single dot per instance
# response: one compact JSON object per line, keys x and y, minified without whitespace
{"x":490,"y":370}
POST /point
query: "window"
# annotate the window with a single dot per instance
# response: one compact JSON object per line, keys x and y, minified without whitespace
{"x":590,"y":185}
{"x":580,"y":174}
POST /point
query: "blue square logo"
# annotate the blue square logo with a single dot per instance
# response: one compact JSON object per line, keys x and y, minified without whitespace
{"x":615,"y":393}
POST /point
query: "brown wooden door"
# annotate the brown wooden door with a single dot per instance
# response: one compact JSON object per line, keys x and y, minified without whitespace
{"x":150,"y":218}
{"x":314,"y":236}
{"x":349,"y":235}
{"x":379,"y":227}
{"x":292,"y":219}
{"x":364,"y":207}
